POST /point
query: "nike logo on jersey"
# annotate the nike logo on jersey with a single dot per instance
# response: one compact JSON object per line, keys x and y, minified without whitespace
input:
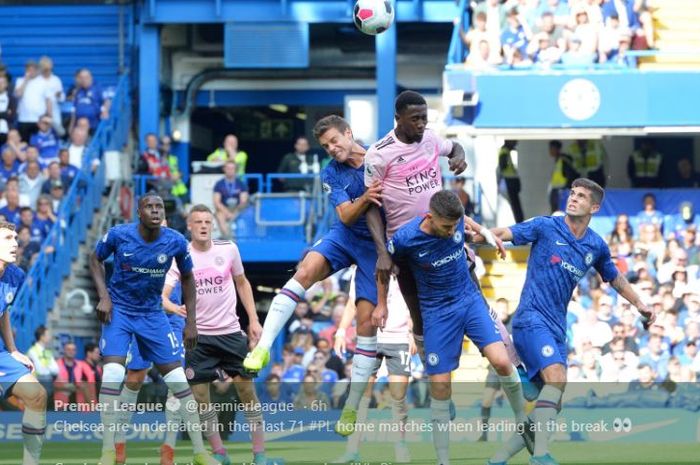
{"x":346,"y":187}
{"x":422,"y":254}
{"x":128,"y":254}
{"x":560,"y":243}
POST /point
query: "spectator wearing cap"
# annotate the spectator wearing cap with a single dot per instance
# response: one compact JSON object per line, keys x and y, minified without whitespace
{"x":33,"y":99}
{"x":54,"y":92}
{"x":46,"y":140}
{"x":230,"y":199}
{"x":10,"y":165}
{"x":644,"y":165}
{"x":8,"y":109}
{"x":31,"y":182}
{"x":58,"y":190}
{"x":88,"y":101}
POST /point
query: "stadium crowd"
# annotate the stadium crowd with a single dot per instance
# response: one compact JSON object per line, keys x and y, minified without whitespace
{"x":573,"y":33}
{"x":43,"y":135}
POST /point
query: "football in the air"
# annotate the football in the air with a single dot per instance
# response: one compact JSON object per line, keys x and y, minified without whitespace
{"x":373,"y":16}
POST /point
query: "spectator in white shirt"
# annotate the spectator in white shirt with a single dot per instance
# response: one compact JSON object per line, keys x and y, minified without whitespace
{"x":54,"y":88}
{"x":30,"y":182}
{"x":34,"y":100}
{"x":78,"y":140}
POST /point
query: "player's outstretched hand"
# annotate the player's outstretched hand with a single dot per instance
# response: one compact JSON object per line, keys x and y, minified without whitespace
{"x":412,"y":348}
{"x":339,"y":345}
{"x":458,"y":164}
{"x":373,"y":194}
{"x":104,"y":310}
{"x":379,"y":315}
{"x":648,"y":316}
{"x":189,"y":336}
{"x":23,"y":359}
{"x":385,"y":267}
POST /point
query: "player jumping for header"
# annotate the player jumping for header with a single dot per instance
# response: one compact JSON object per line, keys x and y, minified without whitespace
{"x":564,"y":248}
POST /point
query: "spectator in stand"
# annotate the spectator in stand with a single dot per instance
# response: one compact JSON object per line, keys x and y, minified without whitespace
{"x":76,"y":148}
{"x":609,"y":39}
{"x":8,"y":108}
{"x":641,"y":9}
{"x":88,"y":101}
{"x":649,"y":213}
{"x":230,"y":151}
{"x":68,"y":171}
{"x":15,"y":143}
{"x":32,"y":154}
{"x":33,"y":100}
{"x":54,"y":92}
{"x":687,"y":176}
{"x":45,"y":366}
{"x":589,"y":159}
{"x":679,"y":259}
{"x":69,"y":385}
{"x":575,"y":57}
{"x":656,"y":357}
{"x":480,"y":59}
{"x":31,"y":182}
{"x":272,"y":392}
{"x":585,"y":30}
{"x":515,"y":37}
{"x":559,"y":10}
{"x":299,"y":162}
{"x":58,"y":190}
{"x":10,"y":165}
{"x":11,"y":210}
{"x":26,"y":218}
{"x":310,"y":396}
{"x":44,"y":210}
{"x":590,"y":329}
{"x":92,"y":369}
{"x":230,"y":199}
{"x":543,"y":51}
{"x":495,"y":15}
{"x":622,"y":231}
{"x":12,"y":185}
{"x":46,"y":140}
{"x":563,"y":174}
{"x":644,"y":165}
{"x":620,"y":57}
{"x":457,"y":186}
{"x":179,"y":189}
{"x":27,"y":249}
{"x":689,"y":353}
{"x":554,"y":31}
{"x":488,"y":54}
{"x":54,"y":174}
{"x":151,"y":161}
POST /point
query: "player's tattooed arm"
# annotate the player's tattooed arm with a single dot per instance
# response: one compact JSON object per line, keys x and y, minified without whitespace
{"x":104,"y":306}
{"x":456,"y":159}
{"x":621,"y":285}
{"x":189,"y":296}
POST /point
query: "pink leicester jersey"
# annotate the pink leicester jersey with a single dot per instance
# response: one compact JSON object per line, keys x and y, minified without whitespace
{"x":396,"y":328}
{"x":216,"y":293}
{"x":409,"y":173}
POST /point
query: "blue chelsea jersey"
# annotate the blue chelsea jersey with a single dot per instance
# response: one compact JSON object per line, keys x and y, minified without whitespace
{"x":140,"y":267}
{"x":10,"y":283}
{"x":438,"y":264}
{"x":343,"y":183}
{"x":557,"y":262}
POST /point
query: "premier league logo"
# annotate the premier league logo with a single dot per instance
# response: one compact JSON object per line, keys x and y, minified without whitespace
{"x":589,"y":258}
{"x":162,"y":258}
{"x":219,"y":261}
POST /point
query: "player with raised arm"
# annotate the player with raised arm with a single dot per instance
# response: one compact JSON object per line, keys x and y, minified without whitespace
{"x":348,"y":242}
{"x":15,"y":368}
{"x":564,"y":248}
{"x":131,"y":305}
{"x":395,"y":346}
{"x":452,"y":306}
{"x":221,"y":343}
